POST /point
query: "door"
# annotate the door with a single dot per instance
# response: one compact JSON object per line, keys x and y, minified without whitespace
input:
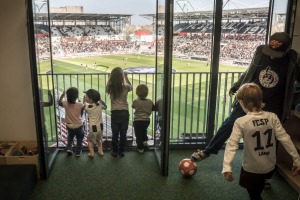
{"x":164,"y":36}
{"x":279,"y":16}
{"x":42,"y":78}
{"x":295,"y":26}
{"x":169,"y":83}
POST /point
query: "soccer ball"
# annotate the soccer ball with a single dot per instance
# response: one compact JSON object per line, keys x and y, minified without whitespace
{"x":187,"y":167}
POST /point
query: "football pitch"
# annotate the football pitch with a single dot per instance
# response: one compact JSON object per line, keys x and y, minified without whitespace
{"x":189,"y":84}
{"x":105,"y":63}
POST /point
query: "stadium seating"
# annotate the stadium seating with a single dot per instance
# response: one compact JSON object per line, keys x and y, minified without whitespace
{"x":55,"y":32}
{"x":238,"y":40}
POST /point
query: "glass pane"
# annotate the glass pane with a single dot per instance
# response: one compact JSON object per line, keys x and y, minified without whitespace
{"x":192,"y":45}
{"x":160,"y":42}
{"x":279,"y":16}
{"x":244,"y":26}
{"x":45,"y":80}
{"x":89,"y":39}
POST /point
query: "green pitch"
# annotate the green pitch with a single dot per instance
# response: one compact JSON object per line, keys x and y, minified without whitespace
{"x":105,"y":64}
{"x":189,"y":86}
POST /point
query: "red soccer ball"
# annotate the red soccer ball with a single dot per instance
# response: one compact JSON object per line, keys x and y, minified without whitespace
{"x":187,"y":167}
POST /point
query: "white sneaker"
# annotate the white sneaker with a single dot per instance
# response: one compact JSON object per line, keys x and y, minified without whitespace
{"x":140,"y":150}
{"x":91,"y":155}
{"x":69,"y":152}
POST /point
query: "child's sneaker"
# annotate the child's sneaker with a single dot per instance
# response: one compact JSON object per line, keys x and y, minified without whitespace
{"x":140,"y":150}
{"x":121,"y":154}
{"x":69,"y":152}
{"x":114,"y":154}
{"x":199,"y":155}
{"x":91,"y":155}
{"x":78,"y":154}
{"x":100,"y":153}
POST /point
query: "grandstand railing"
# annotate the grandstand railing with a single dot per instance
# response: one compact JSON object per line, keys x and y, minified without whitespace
{"x":189,"y":104}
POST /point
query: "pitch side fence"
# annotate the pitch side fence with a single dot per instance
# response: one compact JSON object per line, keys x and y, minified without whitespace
{"x":189,"y":105}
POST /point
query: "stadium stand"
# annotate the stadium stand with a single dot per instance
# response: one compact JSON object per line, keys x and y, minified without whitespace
{"x":228,"y":27}
{"x":242,"y":31}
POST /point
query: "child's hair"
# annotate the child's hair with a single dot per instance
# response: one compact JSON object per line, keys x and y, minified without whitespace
{"x":94,"y":95}
{"x":142,"y":91}
{"x":251,"y":96}
{"x":115,"y":84}
{"x":72,"y":95}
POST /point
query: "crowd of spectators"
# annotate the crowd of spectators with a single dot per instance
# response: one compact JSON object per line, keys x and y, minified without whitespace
{"x":71,"y":45}
{"x":67,"y":46}
{"x":233,"y":47}
{"x":237,"y":48}
{"x":240,"y":46}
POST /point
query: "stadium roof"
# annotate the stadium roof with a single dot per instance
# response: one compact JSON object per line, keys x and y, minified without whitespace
{"x":80,"y":16}
{"x":229,"y":14}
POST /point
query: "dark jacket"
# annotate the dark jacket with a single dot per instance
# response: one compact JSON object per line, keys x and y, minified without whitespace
{"x":291,"y":98}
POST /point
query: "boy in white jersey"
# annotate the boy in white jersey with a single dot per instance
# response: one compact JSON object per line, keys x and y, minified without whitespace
{"x":94,"y":110}
{"x":259,"y":130}
{"x":143,"y":108}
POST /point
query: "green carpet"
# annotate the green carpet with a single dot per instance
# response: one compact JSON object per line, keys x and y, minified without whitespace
{"x":137,"y":176}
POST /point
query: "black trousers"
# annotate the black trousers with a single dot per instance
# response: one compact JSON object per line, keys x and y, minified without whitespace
{"x":140,"y":129}
{"x":254,"y":183}
{"x":119,"y":127}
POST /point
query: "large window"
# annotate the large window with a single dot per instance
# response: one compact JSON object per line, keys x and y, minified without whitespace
{"x":89,"y":39}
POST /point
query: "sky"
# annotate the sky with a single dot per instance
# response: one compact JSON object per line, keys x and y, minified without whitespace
{"x":137,"y":7}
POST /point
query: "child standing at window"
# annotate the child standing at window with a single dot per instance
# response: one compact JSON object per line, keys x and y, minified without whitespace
{"x":94,"y":110}
{"x":73,"y":120}
{"x":259,"y":130}
{"x":118,"y":87}
{"x":143,"y":109}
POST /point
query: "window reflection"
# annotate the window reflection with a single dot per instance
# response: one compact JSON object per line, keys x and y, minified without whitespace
{"x":279,"y":16}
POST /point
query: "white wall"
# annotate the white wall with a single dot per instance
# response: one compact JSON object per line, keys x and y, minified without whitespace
{"x":16,"y":101}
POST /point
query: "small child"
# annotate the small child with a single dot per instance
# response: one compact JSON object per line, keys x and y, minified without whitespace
{"x":158,"y":109}
{"x":94,"y":110}
{"x":118,"y":86}
{"x":259,"y":130}
{"x":73,"y":119}
{"x":143,"y":109}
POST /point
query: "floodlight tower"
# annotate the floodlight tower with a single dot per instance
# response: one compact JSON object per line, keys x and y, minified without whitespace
{"x":235,"y":3}
{"x":39,"y":4}
{"x":185,"y":5}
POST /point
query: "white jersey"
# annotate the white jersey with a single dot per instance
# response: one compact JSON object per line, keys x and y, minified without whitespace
{"x":95,"y":117}
{"x":259,"y":131}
